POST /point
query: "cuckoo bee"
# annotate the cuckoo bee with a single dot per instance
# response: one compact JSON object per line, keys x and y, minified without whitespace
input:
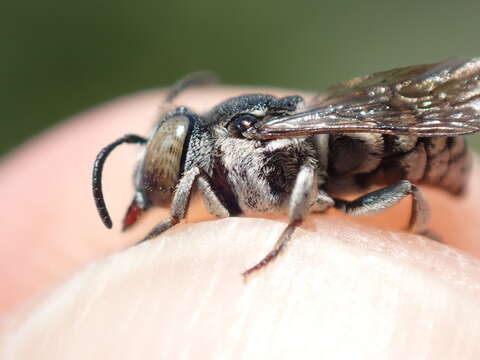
{"x":390,"y":131}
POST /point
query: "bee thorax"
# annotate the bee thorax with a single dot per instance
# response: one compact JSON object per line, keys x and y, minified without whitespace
{"x":261,"y":175}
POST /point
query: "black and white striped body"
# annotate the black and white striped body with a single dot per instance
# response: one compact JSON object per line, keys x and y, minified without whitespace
{"x":253,"y":176}
{"x":358,"y":161}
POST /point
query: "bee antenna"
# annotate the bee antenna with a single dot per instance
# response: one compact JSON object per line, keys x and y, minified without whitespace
{"x":98,"y":170}
{"x":199,"y":78}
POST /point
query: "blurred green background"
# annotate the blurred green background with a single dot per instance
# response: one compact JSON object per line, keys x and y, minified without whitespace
{"x":59,"y":57}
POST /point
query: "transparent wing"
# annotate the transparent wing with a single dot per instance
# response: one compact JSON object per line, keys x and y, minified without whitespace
{"x":441,"y":99}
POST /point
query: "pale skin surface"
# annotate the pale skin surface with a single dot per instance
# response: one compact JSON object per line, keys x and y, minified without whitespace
{"x":342,"y":290}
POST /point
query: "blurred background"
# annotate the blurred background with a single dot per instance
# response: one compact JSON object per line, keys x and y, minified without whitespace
{"x":60,"y":57}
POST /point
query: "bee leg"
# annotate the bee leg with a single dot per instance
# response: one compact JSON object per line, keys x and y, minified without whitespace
{"x":322,"y":203}
{"x":301,"y":199}
{"x":210,"y":198}
{"x":376,"y":201}
{"x":181,"y":199}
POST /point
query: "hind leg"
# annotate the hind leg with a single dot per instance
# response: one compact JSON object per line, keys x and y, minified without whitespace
{"x":379,"y":200}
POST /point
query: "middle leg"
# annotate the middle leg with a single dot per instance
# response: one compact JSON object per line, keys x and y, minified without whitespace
{"x":301,"y":199}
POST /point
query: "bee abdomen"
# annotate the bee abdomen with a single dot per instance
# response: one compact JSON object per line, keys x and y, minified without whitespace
{"x":438,"y":161}
{"x":411,"y":165}
{"x":448,"y":163}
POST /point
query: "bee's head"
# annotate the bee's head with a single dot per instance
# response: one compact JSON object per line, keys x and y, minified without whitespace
{"x":161,"y":165}
{"x":238,"y":114}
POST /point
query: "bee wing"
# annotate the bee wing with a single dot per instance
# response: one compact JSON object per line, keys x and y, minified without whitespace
{"x":441,"y":99}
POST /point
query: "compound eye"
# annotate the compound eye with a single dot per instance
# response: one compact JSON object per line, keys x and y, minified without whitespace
{"x":241,"y":123}
{"x":164,"y":158}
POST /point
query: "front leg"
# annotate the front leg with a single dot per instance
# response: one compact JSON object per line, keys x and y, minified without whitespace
{"x":181,"y":199}
{"x":301,"y":199}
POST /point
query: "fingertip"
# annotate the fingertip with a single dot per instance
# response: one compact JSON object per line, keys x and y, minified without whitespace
{"x":187,"y":284}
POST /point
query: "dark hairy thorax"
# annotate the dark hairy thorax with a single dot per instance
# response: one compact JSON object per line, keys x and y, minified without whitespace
{"x":254,"y":176}
{"x":376,"y":159}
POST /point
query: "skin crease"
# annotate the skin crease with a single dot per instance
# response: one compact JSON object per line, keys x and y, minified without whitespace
{"x":345,"y":288}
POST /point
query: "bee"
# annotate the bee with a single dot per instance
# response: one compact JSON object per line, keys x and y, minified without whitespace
{"x":377,"y":136}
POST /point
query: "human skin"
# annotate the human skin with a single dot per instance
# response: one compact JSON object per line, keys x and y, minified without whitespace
{"x":344,"y":288}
